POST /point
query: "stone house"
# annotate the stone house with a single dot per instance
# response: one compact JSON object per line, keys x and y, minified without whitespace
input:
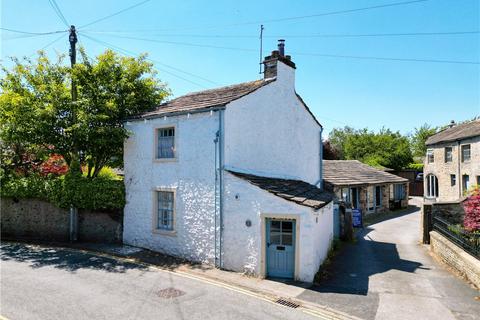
{"x":364,"y":187}
{"x":232,"y":177}
{"x":452,"y":162}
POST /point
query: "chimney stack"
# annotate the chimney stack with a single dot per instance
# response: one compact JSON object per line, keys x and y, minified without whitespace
{"x":452,"y":124}
{"x":270,"y":62}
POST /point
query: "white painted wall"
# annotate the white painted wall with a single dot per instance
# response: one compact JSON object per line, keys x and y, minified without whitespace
{"x":192,"y":175}
{"x":269,"y":132}
{"x":243,"y":245}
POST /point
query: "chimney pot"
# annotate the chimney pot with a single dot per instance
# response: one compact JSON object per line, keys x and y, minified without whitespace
{"x":452,"y":123}
{"x":281,"y":47}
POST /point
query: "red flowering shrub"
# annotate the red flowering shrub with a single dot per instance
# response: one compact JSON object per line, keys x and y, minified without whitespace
{"x":55,"y":165}
{"x":471,"y":221}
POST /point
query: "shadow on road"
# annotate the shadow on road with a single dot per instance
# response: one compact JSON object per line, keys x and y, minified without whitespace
{"x":351,"y":269}
{"x":63,"y":259}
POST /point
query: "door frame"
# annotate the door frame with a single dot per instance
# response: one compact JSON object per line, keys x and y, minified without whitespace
{"x":263,"y":226}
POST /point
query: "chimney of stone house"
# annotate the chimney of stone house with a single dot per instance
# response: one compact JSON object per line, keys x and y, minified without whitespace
{"x":452,"y":124}
{"x":271,"y":62}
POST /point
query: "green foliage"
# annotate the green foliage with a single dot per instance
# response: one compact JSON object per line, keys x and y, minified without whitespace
{"x":36,"y":108}
{"x":418,"y":139}
{"x":415,"y":166}
{"x":385,"y":149}
{"x":64,"y":191}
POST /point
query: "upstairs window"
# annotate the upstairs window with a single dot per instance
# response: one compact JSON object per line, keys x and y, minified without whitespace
{"x":166,"y":143}
{"x":448,"y":154}
{"x":432,"y":186}
{"x":430,"y":157}
{"x":466,"y":153}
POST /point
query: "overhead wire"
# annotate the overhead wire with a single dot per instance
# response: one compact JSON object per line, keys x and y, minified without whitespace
{"x":321,"y":14}
{"x":305,"y":54}
{"x":59,"y":13}
{"x":33,"y":33}
{"x":114,"y":14}
{"x":345,"y":35}
{"x":131,"y":53}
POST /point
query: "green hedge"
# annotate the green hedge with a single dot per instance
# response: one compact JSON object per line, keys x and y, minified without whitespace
{"x":79,"y":191}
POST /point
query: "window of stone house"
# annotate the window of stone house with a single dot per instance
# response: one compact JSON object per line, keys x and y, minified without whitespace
{"x":432,"y":186}
{"x":165,"y":210}
{"x":478,"y":180}
{"x":378,"y":196}
{"x":466,"y":153}
{"x":453,"y":180}
{"x":166,"y":143}
{"x":430,"y":157}
{"x":448,"y":154}
{"x":399,"y":192}
{"x":465,"y":182}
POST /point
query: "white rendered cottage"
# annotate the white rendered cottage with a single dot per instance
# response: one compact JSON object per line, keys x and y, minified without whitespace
{"x":229,"y":176}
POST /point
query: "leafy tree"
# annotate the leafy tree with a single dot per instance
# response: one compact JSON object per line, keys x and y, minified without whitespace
{"x":418,"y":139}
{"x":330,"y":152}
{"x":337,"y":139}
{"x":383,"y":149}
{"x":36,"y":107}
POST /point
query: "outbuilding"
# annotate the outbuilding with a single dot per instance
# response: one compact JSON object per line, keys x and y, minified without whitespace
{"x":364,"y":187}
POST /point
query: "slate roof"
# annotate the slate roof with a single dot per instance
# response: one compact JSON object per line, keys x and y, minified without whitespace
{"x":297,"y":191}
{"x":353,"y":172}
{"x":205,"y":100}
{"x":457,"y":132}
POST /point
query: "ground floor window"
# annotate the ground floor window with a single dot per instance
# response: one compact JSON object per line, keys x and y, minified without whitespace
{"x":165,"y":210}
{"x":432,"y":186}
{"x":465,"y":182}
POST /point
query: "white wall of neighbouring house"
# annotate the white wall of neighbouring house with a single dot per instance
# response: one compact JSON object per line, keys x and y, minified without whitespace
{"x":269,"y":132}
{"x":242,"y":249}
{"x":191,"y":175}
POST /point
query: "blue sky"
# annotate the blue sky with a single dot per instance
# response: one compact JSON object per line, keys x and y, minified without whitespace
{"x":361,"y":93}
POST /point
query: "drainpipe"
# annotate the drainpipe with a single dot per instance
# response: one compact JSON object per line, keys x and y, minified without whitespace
{"x":220,"y":173}
{"x":320,"y":180}
{"x":459,"y":178}
{"x":215,"y":197}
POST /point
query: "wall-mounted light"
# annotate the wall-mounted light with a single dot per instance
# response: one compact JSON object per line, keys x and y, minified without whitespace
{"x":248,"y":223}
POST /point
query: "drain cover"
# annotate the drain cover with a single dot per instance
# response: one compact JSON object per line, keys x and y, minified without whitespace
{"x":287,"y":303}
{"x":170,"y":293}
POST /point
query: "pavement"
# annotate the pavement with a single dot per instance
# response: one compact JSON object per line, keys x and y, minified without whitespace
{"x":388,"y":274}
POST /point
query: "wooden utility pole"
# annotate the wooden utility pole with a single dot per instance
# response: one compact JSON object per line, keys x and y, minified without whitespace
{"x":261,"y":48}
{"x":73,"y":59}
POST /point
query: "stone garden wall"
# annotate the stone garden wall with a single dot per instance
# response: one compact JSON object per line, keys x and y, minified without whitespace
{"x":40,"y":220}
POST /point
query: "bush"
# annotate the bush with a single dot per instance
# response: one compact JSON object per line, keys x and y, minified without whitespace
{"x":64,"y":191}
{"x":415,"y":166}
{"x":471,"y":206}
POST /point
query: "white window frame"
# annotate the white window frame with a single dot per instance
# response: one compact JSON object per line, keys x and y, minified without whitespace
{"x":432,"y":186}
{"x":155,"y":214}
{"x":175,"y":143}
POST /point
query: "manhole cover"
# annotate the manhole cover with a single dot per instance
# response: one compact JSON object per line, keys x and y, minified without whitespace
{"x":170,"y":293}
{"x":287,"y":303}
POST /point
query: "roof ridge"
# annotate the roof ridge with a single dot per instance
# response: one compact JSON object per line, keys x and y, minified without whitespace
{"x":219,"y":88}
